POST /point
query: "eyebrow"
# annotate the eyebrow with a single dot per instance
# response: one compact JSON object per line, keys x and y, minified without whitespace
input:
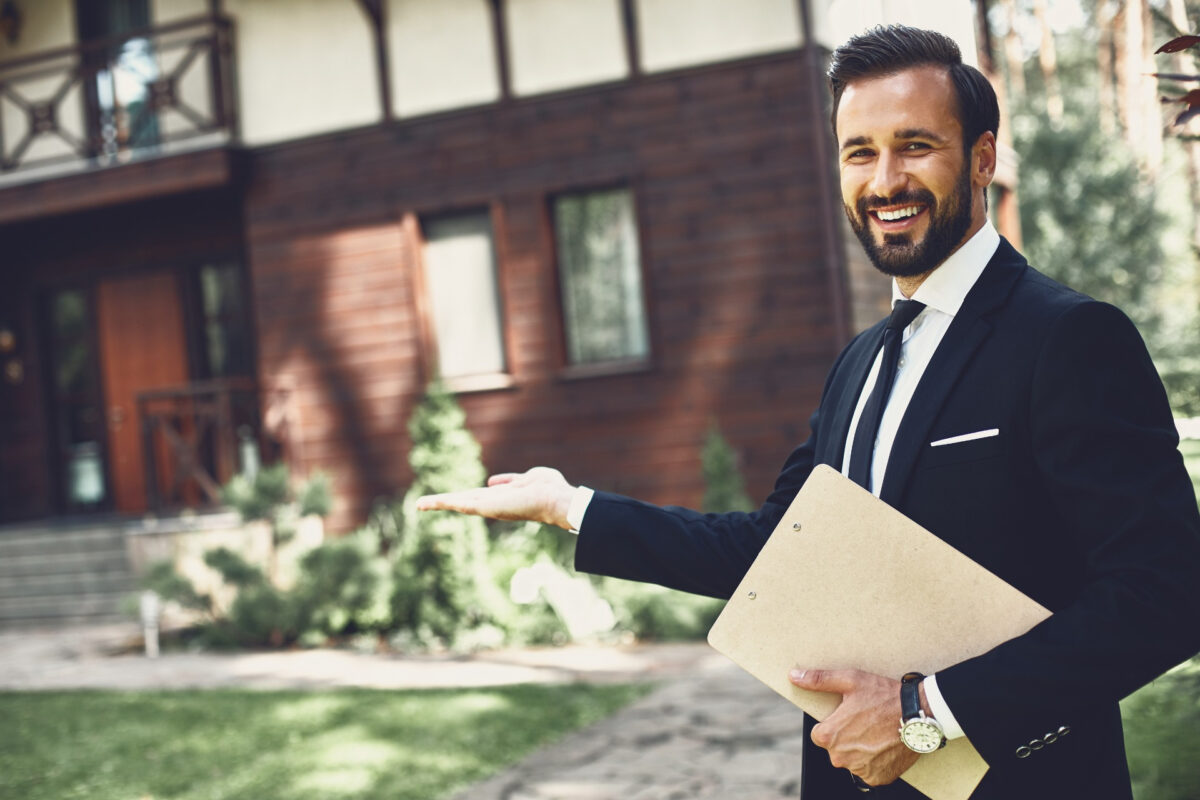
{"x":919,"y":133}
{"x":904,"y":133}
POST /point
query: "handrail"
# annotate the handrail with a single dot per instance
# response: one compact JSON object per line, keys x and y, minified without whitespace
{"x":104,"y":101}
{"x":103,"y":44}
{"x":192,"y":439}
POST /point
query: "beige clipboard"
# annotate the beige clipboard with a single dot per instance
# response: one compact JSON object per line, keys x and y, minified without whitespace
{"x":846,"y":581}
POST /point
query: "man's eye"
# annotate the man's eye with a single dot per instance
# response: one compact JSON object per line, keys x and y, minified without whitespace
{"x":916,"y":146}
{"x":859,"y":155}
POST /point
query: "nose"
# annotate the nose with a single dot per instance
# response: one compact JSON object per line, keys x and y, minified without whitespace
{"x":889,"y":177}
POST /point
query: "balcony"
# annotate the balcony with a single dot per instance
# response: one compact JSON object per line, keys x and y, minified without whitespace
{"x":157,"y":103}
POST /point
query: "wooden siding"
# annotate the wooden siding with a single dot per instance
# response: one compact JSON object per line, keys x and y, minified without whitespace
{"x":101,"y":188}
{"x":721,"y":163}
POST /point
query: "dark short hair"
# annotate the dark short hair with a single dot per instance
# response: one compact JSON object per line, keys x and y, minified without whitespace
{"x":886,"y":50}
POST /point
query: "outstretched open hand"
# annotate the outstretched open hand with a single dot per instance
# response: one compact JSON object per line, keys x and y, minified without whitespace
{"x":541,"y":494}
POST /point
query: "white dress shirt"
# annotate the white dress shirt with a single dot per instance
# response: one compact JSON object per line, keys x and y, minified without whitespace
{"x":943,"y":293}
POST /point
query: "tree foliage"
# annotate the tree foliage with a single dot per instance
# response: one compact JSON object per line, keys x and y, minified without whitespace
{"x":443,"y":589}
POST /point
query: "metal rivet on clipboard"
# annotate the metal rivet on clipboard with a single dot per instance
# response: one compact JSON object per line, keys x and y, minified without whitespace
{"x":795,"y":526}
{"x":752,"y":595}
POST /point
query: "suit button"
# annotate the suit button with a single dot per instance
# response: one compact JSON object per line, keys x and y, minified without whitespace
{"x":1050,"y":738}
{"x":1064,"y":730}
{"x":1023,"y":752}
{"x":1036,"y":744}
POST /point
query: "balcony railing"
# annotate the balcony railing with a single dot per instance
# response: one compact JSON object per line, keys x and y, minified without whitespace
{"x":104,"y":102}
{"x":195,"y":438}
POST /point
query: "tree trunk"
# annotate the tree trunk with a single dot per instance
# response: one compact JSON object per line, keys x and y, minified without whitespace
{"x":1183,"y":62}
{"x":1136,"y":97}
{"x":1104,"y":67}
{"x":1013,"y":56}
{"x":1048,"y":60}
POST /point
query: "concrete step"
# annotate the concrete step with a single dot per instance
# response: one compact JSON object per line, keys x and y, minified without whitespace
{"x":58,"y":574}
{"x":64,"y":563}
{"x":17,"y":542}
{"x":84,"y":605}
{"x":33,"y":585}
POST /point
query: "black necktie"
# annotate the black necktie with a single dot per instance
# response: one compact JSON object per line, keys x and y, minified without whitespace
{"x":863,"y":450}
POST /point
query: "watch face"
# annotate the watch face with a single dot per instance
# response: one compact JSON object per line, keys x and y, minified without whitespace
{"x":921,"y":735}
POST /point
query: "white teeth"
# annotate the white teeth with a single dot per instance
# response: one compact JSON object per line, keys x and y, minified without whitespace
{"x":901,"y":213}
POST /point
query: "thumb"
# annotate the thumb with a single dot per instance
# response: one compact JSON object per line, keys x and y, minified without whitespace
{"x":834,"y":681}
{"x":501,"y":478}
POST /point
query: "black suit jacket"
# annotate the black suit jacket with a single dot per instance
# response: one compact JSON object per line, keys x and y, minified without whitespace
{"x":1082,"y":502}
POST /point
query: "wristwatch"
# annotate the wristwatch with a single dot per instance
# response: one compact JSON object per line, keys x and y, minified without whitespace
{"x":920,"y":733}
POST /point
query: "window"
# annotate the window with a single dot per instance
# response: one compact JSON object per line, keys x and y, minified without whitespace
{"x":600,"y":273}
{"x":225,"y":321}
{"x":460,"y":282}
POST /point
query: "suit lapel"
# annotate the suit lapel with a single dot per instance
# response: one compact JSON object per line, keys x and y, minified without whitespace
{"x":856,"y":367}
{"x":970,"y":327}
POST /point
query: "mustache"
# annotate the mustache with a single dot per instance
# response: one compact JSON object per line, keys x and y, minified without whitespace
{"x":908,"y":197}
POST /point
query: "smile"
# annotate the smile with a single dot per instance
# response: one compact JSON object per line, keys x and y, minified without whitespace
{"x":898,"y":214}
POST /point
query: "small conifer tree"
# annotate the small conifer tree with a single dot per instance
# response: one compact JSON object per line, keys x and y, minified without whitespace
{"x":724,"y":489}
{"x":444,"y":591}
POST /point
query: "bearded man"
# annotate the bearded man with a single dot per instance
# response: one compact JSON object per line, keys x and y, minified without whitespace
{"x":1019,"y":421}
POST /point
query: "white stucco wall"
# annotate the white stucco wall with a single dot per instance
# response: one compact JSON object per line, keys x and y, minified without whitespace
{"x":45,"y":26}
{"x":442,"y":54}
{"x":165,"y":11}
{"x":683,"y":33}
{"x":837,"y":20}
{"x":304,"y":67}
{"x":558,"y":45}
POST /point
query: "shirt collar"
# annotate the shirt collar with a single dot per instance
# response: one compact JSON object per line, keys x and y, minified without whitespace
{"x":947,"y":286}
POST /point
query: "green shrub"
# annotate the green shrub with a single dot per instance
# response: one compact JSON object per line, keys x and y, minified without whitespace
{"x":443,"y":587}
{"x":344,"y":587}
{"x":654,"y":613}
{"x":724,"y":489}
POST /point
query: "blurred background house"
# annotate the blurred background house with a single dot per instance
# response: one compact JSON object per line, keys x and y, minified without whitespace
{"x":235,"y":231}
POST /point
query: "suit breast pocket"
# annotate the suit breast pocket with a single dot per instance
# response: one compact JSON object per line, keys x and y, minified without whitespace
{"x":961,"y":452}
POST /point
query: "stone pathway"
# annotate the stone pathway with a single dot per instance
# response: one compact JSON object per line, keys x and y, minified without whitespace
{"x":712,"y":734}
{"x":710,"y":731}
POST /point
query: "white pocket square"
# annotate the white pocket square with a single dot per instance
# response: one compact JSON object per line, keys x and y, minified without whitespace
{"x":966,"y":437}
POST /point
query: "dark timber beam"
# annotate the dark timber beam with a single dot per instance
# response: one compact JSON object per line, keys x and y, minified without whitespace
{"x":374,"y":9}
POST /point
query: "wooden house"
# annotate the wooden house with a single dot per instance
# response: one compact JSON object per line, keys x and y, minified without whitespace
{"x":236,"y":230}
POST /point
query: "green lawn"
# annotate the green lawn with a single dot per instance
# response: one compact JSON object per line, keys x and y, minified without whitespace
{"x":410,"y":745}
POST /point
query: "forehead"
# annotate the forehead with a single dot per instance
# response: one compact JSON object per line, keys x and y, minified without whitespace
{"x":915,"y":98}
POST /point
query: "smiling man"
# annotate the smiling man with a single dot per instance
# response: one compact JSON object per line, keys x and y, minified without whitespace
{"x":1019,"y":421}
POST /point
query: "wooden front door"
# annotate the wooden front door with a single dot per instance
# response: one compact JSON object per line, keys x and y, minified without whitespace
{"x":142,"y":347}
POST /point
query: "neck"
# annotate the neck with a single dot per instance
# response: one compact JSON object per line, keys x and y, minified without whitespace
{"x":909,"y":284}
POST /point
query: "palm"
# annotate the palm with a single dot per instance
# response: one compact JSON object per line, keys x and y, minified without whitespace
{"x":540,"y":494}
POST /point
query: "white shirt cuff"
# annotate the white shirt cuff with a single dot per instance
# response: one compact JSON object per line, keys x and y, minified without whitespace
{"x":941,"y":711}
{"x":579,"y":506}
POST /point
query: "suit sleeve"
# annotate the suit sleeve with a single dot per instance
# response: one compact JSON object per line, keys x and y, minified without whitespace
{"x":683,"y":549}
{"x":679,"y":548}
{"x":1106,"y":452}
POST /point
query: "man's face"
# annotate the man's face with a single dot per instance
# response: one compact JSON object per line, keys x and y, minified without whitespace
{"x":907,"y":185}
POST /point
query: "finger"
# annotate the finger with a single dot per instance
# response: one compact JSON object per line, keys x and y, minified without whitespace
{"x":435,"y":502}
{"x":502,"y":478}
{"x":835,"y":681}
{"x":822,"y":735}
{"x":467,"y":502}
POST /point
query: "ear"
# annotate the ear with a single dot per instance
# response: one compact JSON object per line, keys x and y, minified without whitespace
{"x":983,"y":160}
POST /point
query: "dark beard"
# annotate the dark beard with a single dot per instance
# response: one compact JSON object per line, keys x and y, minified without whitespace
{"x":899,"y":256}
